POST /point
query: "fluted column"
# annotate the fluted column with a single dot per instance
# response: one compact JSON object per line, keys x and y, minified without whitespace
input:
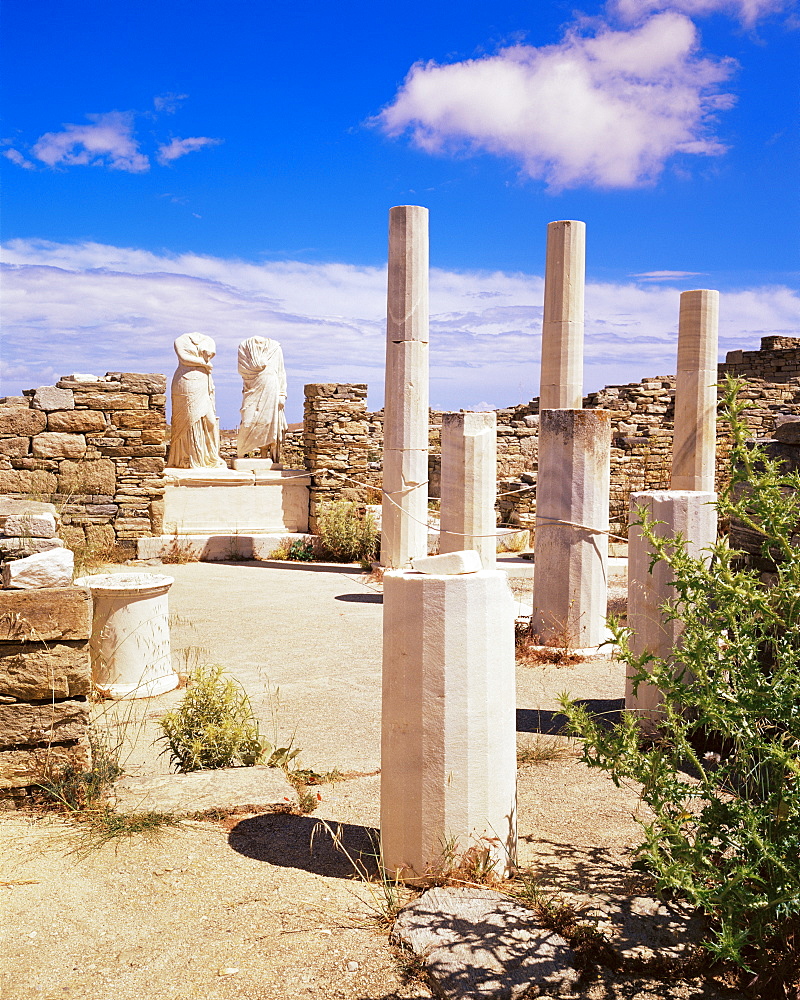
{"x":469,"y":484}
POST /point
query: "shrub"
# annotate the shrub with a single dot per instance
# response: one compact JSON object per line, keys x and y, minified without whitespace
{"x":347,"y":532}
{"x":213,"y":726}
{"x":722,"y":773}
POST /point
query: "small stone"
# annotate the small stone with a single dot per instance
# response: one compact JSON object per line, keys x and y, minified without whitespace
{"x":449,"y":563}
{"x":49,"y":397}
{"x":352,"y":966}
{"x":225,"y":971}
{"x":43,"y":569}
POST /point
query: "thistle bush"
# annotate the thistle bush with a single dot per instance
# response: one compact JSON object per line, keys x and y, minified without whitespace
{"x":347,"y":532}
{"x":213,"y":726}
{"x":722,"y":773}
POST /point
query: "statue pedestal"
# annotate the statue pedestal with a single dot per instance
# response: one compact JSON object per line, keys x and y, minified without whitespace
{"x":235,"y":502}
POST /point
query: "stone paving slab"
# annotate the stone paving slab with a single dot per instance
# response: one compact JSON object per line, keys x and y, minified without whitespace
{"x":478,"y":943}
{"x":253,"y":789}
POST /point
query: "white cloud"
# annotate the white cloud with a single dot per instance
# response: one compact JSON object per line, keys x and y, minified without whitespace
{"x":176,"y":148}
{"x":95,"y":308}
{"x":16,"y":157}
{"x":108,"y":142}
{"x":666,"y":275}
{"x":169,"y":103}
{"x":746,"y":11}
{"x":606,"y":109}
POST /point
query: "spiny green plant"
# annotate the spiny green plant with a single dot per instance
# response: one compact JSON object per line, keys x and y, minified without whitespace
{"x":722,"y":773}
{"x":348,"y":533}
{"x":214,"y":726}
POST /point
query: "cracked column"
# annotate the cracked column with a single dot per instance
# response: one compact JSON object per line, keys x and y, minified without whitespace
{"x":691,"y":514}
{"x":469,"y":484}
{"x":448,"y":727}
{"x":695,"y":439}
{"x":404,"y":531}
{"x":570,"y":575}
{"x":561,"y":383}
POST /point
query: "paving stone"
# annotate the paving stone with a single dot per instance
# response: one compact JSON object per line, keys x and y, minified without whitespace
{"x":256,"y":789}
{"x":478,"y":943}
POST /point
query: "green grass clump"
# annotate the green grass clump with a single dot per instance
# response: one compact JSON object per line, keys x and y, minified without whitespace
{"x":214,"y":726}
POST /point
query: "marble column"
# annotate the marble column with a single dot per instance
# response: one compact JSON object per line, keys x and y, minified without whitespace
{"x":561,"y":385}
{"x":570,"y":574}
{"x":691,"y":514}
{"x":448,"y":730}
{"x":695,"y":438}
{"x":469,"y":484}
{"x":404,"y":532}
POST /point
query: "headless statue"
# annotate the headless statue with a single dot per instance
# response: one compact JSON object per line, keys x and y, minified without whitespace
{"x":194,"y":441}
{"x":263,"y":421}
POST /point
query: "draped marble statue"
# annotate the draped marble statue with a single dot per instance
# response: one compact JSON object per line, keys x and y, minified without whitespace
{"x":263,"y":398}
{"x":194,"y":442}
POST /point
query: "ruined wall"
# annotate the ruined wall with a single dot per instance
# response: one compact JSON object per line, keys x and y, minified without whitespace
{"x":95,"y":448}
{"x":642,"y":427}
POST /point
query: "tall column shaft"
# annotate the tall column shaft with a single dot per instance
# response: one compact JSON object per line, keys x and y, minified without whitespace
{"x":570,"y":574}
{"x":448,"y":729}
{"x":404,"y":533}
{"x":561,"y":385}
{"x":695,"y":438}
{"x":693,"y":516}
{"x":469,"y":485}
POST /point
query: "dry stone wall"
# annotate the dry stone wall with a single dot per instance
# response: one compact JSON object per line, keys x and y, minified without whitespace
{"x":642,"y":426}
{"x":95,"y":447}
{"x":45,"y":680}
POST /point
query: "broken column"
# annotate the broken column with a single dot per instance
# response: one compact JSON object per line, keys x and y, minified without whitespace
{"x":448,"y":735}
{"x":695,"y":438}
{"x":404,"y":531}
{"x":693,"y":516}
{"x":469,"y":485}
{"x":570,"y":570}
{"x":561,"y":385}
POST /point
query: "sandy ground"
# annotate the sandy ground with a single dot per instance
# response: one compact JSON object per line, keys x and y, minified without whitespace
{"x":262,"y":906}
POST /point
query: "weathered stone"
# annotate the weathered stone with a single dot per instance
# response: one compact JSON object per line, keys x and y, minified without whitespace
{"x":40,"y":671}
{"x":479,"y":943}
{"x":55,"y":445}
{"x":98,"y":477}
{"x":42,"y":569}
{"x":136,"y":382}
{"x":50,"y":397}
{"x":788,"y":431}
{"x":76,"y":421}
{"x":11,"y":508}
{"x":21,"y":421}
{"x":42,"y":615}
{"x":642,"y":928}
{"x":20,"y":548}
{"x":113,"y":400}
{"x":147,"y":465}
{"x":20,"y":768}
{"x":28,"y":525}
{"x":15,"y":446}
{"x":53,"y":722}
{"x":256,"y":788}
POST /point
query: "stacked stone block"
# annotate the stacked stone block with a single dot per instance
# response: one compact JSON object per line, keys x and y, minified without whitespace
{"x":45,"y":679}
{"x":93,"y":446}
{"x":335,"y":444}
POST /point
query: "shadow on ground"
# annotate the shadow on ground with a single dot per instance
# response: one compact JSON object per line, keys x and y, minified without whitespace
{"x":306,"y":843}
{"x":361,"y":598}
{"x":605,"y":711}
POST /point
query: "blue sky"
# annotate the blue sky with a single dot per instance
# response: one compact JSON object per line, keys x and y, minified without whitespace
{"x":173,"y":166}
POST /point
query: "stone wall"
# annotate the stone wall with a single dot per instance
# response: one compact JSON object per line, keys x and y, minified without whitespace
{"x":642,"y":426}
{"x":45,"y":680}
{"x":94,"y":447}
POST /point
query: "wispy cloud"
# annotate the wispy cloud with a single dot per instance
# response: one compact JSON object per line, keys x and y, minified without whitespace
{"x":169,"y":103}
{"x":109,"y":141}
{"x":666,"y":275}
{"x":748,"y":12}
{"x":176,"y":148}
{"x":16,"y":157}
{"x":603,"y":108}
{"x":95,"y":308}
